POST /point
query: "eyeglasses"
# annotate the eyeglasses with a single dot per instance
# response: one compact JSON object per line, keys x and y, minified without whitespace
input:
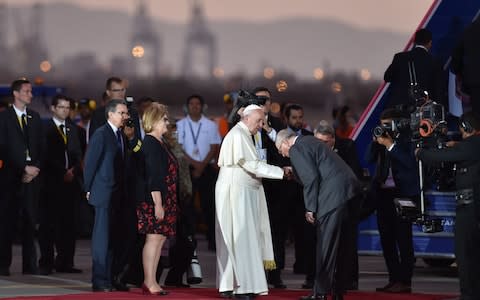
{"x":123,"y":113}
{"x":118,"y":90}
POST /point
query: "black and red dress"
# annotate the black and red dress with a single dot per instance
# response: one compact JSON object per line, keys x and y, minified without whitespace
{"x":161,"y":174}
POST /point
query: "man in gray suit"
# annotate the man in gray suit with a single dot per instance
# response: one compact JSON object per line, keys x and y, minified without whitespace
{"x":331,"y":194}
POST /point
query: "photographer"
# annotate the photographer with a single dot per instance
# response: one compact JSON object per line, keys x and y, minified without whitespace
{"x":467,"y":230}
{"x":396,"y":176}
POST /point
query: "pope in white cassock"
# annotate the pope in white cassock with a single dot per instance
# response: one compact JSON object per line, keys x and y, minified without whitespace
{"x":243,"y":237}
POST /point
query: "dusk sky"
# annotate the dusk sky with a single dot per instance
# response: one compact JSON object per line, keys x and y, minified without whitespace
{"x":392,"y":15}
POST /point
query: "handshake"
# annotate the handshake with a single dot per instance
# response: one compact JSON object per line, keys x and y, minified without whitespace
{"x":287,"y":173}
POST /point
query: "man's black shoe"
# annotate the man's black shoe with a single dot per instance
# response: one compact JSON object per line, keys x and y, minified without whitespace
{"x":274,"y":279}
{"x":314,"y":297}
{"x":382,"y":289}
{"x":226,"y":294}
{"x":101,"y":289}
{"x":244,"y":296}
{"x":44,"y":270}
{"x":4,"y":272}
{"x":308,"y":284}
{"x":337,"y":297}
{"x":120,"y":286}
{"x":70,"y":270}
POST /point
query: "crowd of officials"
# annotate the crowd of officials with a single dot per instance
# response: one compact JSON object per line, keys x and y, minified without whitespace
{"x":140,"y":171}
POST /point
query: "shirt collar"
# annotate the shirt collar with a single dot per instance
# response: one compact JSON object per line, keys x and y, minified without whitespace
{"x":421,"y":46}
{"x":58,"y":122}
{"x":114,"y":128}
{"x":199,"y":120}
{"x":19,"y":112}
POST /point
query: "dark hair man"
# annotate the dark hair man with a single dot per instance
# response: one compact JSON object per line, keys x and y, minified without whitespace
{"x":22,"y":148}
{"x":427,"y":71}
{"x":467,"y":231}
{"x":63,"y":158}
{"x":200,"y":139}
{"x":466,"y":63}
{"x":396,"y":176}
{"x":105,"y":185}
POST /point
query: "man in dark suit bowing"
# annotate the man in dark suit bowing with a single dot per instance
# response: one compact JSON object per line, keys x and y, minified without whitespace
{"x":60,"y":191}
{"x":105,"y":187}
{"x":331,"y":192}
{"x":22,"y":148}
{"x":429,"y":75}
{"x":346,"y":149}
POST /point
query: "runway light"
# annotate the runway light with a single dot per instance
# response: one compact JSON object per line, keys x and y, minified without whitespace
{"x":45,"y":66}
{"x":268,"y":72}
{"x":318,"y":73}
{"x":282,"y":86}
{"x":138,"y":51}
{"x":365,"y":74}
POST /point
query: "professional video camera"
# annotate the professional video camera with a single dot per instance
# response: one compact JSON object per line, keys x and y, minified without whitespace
{"x":129,"y":122}
{"x":243,"y":99}
{"x":428,"y":129}
{"x":393,"y":128}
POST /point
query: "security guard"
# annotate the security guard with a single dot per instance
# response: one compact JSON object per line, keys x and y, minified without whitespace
{"x":467,"y":229}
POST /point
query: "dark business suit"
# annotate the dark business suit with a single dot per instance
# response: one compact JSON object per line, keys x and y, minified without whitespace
{"x":57,"y":222}
{"x":466,"y":63}
{"x":395,"y":232}
{"x":429,"y":74}
{"x":331,"y":192}
{"x":19,"y":200}
{"x":104,"y":178}
{"x":467,"y":230}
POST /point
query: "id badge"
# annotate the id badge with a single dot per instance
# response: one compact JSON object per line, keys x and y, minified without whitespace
{"x":196,"y":152}
{"x":262,"y":154}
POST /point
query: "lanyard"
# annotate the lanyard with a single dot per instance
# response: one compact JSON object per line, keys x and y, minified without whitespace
{"x":194,"y":136}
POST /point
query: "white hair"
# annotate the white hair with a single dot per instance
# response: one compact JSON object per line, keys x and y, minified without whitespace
{"x":283,"y":135}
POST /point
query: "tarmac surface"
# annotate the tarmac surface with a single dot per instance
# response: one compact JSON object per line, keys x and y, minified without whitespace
{"x":372,"y":274}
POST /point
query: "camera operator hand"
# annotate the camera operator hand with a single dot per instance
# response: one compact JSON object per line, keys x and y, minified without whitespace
{"x":385,"y":140}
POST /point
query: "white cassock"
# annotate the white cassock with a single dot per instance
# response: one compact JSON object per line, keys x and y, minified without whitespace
{"x":242,"y":227}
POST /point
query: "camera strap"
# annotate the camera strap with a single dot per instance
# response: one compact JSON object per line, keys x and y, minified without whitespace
{"x":412,"y":73}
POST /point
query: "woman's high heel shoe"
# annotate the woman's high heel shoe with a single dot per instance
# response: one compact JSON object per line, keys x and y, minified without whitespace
{"x":146,"y":291}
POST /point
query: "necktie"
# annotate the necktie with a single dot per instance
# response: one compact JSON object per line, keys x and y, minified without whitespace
{"x":119,"y":141}
{"x":25,"y":136}
{"x":61,"y":128}
{"x":62,"y":131}
{"x":24,"y":121}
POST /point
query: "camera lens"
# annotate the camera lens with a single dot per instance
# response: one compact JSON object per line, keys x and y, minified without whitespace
{"x":378,"y":131}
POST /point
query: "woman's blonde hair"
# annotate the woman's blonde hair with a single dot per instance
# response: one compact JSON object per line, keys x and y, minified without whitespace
{"x":153,"y":114}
